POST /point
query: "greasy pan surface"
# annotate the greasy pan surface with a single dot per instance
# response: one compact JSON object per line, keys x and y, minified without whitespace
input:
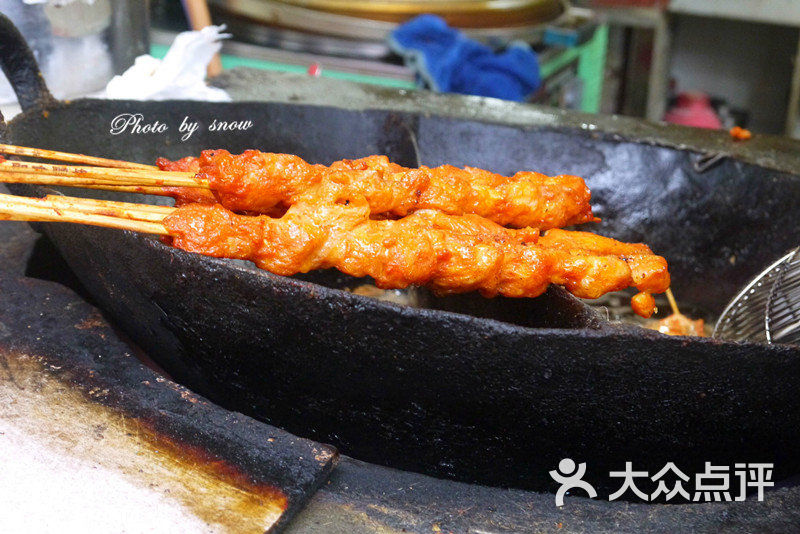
{"x":443,"y":393}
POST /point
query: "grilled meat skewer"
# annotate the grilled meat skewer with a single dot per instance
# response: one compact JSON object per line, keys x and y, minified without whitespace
{"x":449,"y":254}
{"x":261,"y":182}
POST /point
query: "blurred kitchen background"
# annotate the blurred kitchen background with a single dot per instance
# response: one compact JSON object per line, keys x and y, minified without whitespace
{"x":712,"y":64}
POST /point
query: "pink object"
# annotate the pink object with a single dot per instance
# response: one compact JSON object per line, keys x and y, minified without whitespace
{"x":314,"y":69}
{"x":693,"y":109}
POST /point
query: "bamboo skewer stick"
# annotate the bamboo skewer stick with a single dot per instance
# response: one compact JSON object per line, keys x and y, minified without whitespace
{"x":21,"y":212}
{"x":51,"y":179}
{"x":23,"y":166}
{"x":125,"y":210}
{"x":97,"y":178}
{"x":112,"y":175}
{"x":107,"y":175}
{"x":672,"y":302}
{"x":87,"y":183}
{"x":73,"y":158}
{"x":142,"y":189}
{"x":134,"y":217}
{"x":141,"y":212}
{"x":94,"y":202}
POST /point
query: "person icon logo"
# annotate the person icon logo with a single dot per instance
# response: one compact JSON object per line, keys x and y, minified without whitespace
{"x":570,"y":477}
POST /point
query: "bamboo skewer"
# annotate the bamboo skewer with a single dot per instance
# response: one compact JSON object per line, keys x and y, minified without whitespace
{"x":110,"y":208}
{"x":23,"y":166}
{"x":73,"y":158}
{"x":99,"y":182}
{"x":141,"y":212}
{"x":51,"y":179}
{"x":105,"y":175}
{"x":112,"y":175}
{"x":21,"y":212}
{"x":672,"y":302}
{"x":87,"y":183}
{"x":121,"y":215}
{"x":142,"y":189}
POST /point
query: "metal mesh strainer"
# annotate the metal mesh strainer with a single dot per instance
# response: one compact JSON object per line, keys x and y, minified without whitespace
{"x":768,"y":308}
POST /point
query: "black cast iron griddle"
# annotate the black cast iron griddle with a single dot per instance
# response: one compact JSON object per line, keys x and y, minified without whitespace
{"x":487,"y":391}
{"x":70,"y":383}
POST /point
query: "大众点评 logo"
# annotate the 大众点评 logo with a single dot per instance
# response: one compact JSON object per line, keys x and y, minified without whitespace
{"x":715,"y":483}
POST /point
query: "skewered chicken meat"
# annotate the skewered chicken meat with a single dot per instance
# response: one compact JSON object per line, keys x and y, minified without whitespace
{"x":260,"y":182}
{"x":449,"y":254}
{"x":442,"y":228}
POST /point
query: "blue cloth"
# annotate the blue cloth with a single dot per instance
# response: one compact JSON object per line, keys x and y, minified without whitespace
{"x":449,"y":61}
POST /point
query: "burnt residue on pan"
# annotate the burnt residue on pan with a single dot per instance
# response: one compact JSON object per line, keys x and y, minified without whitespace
{"x":68,"y":382}
{"x":58,"y":418}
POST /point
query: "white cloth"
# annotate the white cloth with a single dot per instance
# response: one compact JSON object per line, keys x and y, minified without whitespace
{"x":180,"y":75}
